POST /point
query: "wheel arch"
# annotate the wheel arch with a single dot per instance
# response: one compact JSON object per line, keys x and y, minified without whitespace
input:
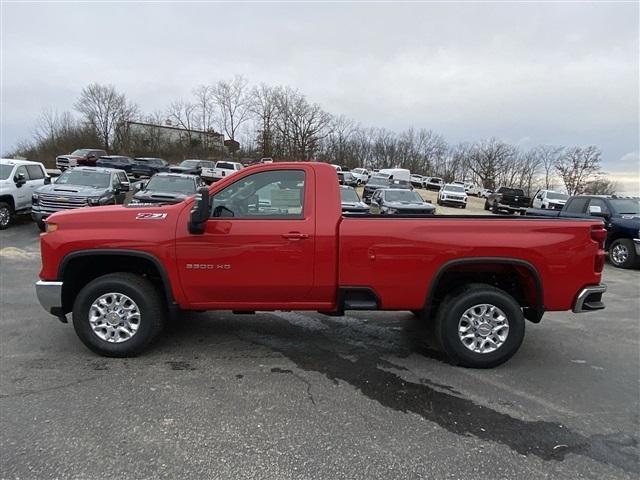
{"x":517,"y":277}
{"x":9,"y":200}
{"x":78,"y":268}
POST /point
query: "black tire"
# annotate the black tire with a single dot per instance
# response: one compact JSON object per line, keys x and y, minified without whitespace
{"x":464,"y":206}
{"x":494,"y":208}
{"x":138,"y":289}
{"x":6,"y":212}
{"x":41,"y":225}
{"x":622,"y":253}
{"x":486,"y":205}
{"x":451,"y":311}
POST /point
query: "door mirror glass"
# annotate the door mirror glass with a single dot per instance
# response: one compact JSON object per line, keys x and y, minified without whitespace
{"x":20,"y":179}
{"x":47,"y":180}
{"x":199,"y":212}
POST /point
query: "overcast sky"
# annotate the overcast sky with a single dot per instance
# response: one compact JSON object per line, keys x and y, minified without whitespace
{"x":528,"y":73}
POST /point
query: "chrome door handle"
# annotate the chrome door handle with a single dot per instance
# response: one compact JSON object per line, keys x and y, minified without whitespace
{"x":295,"y":236}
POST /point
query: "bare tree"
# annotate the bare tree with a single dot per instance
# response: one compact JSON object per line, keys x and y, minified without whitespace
{"x":233,"y":101}
{"x":263,"y":104}
{"x":549,"y":156}
{"x":105,"y":109}
{"x":488,"y":159}
{"x":577,"y":166}
{"x":301,"y":125}
{"x":600,"y":186}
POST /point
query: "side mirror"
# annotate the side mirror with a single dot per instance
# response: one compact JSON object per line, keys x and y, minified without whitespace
{"x":47,"y":180}
{"x":199,"y":212}
{"x":125,"y":186}
{"x":20,"y":179}
{"x":140,"y":186}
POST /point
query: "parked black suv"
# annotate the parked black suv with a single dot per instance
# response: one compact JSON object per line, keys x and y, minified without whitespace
{"x":396,"y":201}
{"x":148,"y":167}
{"x":167,"y":188}
{"x":116,"y":161}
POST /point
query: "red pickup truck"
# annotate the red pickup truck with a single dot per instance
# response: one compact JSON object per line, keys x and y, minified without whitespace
{"x":273,"y":237}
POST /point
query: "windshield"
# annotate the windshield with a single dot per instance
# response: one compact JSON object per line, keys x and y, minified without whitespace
{"x":225,"y":165}
{"x":626,"y":206}
{"x":454,"y":188}
{"x":358,"y":170}
{"x":5,"y":171}
{"x":189,"y":163}
{"x":80,"y":153}
{"x":511,"y":191}
{"x":349,"y":195}
{"x":556,"y":196}
{"x":403,"y":196}
{"x":85,"y":178}
{"x":171,"y":184}
{"x":378,"y":181}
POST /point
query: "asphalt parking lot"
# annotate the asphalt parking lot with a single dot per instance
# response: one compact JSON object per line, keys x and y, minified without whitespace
{"x":302,"y":395}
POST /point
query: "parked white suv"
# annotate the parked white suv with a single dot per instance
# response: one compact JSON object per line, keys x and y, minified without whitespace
{"x":549,"y":199}
{"x":225,"y":168}
{"x":453,"y":194}
{"x":18,"y":181}
{"x":361,"y":174}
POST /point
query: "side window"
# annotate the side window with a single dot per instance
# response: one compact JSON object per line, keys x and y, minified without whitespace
{"x":275,"y":194}
{"x":22,"y":170}
{"x":122,"y":177}
{"x":115,"y":181}
{"x":577,"y":205}
{"x":35,"y":172}
{"x":597,"y":205}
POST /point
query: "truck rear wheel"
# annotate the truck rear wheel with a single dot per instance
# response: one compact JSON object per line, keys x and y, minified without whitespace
{"x":479,"y":326}
{"x":118,"y":315}
{"x":622,"y":253}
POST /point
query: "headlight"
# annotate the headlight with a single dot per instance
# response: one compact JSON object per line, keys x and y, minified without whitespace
{"x":51,"y":227}
{"x":93,"y":200}
{"x":34,"y":198}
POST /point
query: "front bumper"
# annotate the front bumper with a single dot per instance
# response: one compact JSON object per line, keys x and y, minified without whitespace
{"x":50,"y":297}
{"x":590,"y":299}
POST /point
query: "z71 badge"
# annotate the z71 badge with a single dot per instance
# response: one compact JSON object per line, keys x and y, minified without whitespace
{"x":151,"y":216}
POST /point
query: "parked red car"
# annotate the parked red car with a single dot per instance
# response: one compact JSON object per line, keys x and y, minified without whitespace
{"x":273,"y":237}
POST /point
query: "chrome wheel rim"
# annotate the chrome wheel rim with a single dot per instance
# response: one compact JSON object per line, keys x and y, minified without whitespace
{"x":4,"y":216}
{"x":619,"y":253}
{"x":483,"y":328}
{"x":114,"y":317}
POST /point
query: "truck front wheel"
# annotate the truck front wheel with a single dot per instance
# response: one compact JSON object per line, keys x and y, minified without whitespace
{"x":5,"y":215}
{"x":479,"y":326}
{"x":118,"y":315}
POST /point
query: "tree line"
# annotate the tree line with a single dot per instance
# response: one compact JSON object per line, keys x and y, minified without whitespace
{"x":282,"y":123}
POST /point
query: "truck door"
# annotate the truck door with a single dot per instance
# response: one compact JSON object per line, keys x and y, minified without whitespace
{"x":258,"y":245}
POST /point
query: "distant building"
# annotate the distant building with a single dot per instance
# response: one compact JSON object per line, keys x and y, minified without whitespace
{"x":210,"y":140}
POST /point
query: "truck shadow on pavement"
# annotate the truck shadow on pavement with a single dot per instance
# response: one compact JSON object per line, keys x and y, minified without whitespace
{"x":358,"y":352}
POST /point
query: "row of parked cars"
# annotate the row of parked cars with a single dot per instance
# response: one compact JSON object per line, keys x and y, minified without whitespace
{"x":208,"y":170}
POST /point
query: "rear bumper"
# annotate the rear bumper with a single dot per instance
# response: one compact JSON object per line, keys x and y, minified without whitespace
{"x":590,"y":299}
{"x":50,"y":296}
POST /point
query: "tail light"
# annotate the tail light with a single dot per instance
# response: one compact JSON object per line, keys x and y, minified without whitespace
{"x":599,"y":235}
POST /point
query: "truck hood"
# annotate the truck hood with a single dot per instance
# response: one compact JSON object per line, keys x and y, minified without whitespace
{"x":71,"y":190}
{"x":152,"y":196}
{"x":408,"y":206}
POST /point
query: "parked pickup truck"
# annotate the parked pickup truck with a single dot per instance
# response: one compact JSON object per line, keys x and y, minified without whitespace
{"x":621,"y":218}
{"x":83,"y":156}
{"x":273,"y":237}
{"x":512,"y":200}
